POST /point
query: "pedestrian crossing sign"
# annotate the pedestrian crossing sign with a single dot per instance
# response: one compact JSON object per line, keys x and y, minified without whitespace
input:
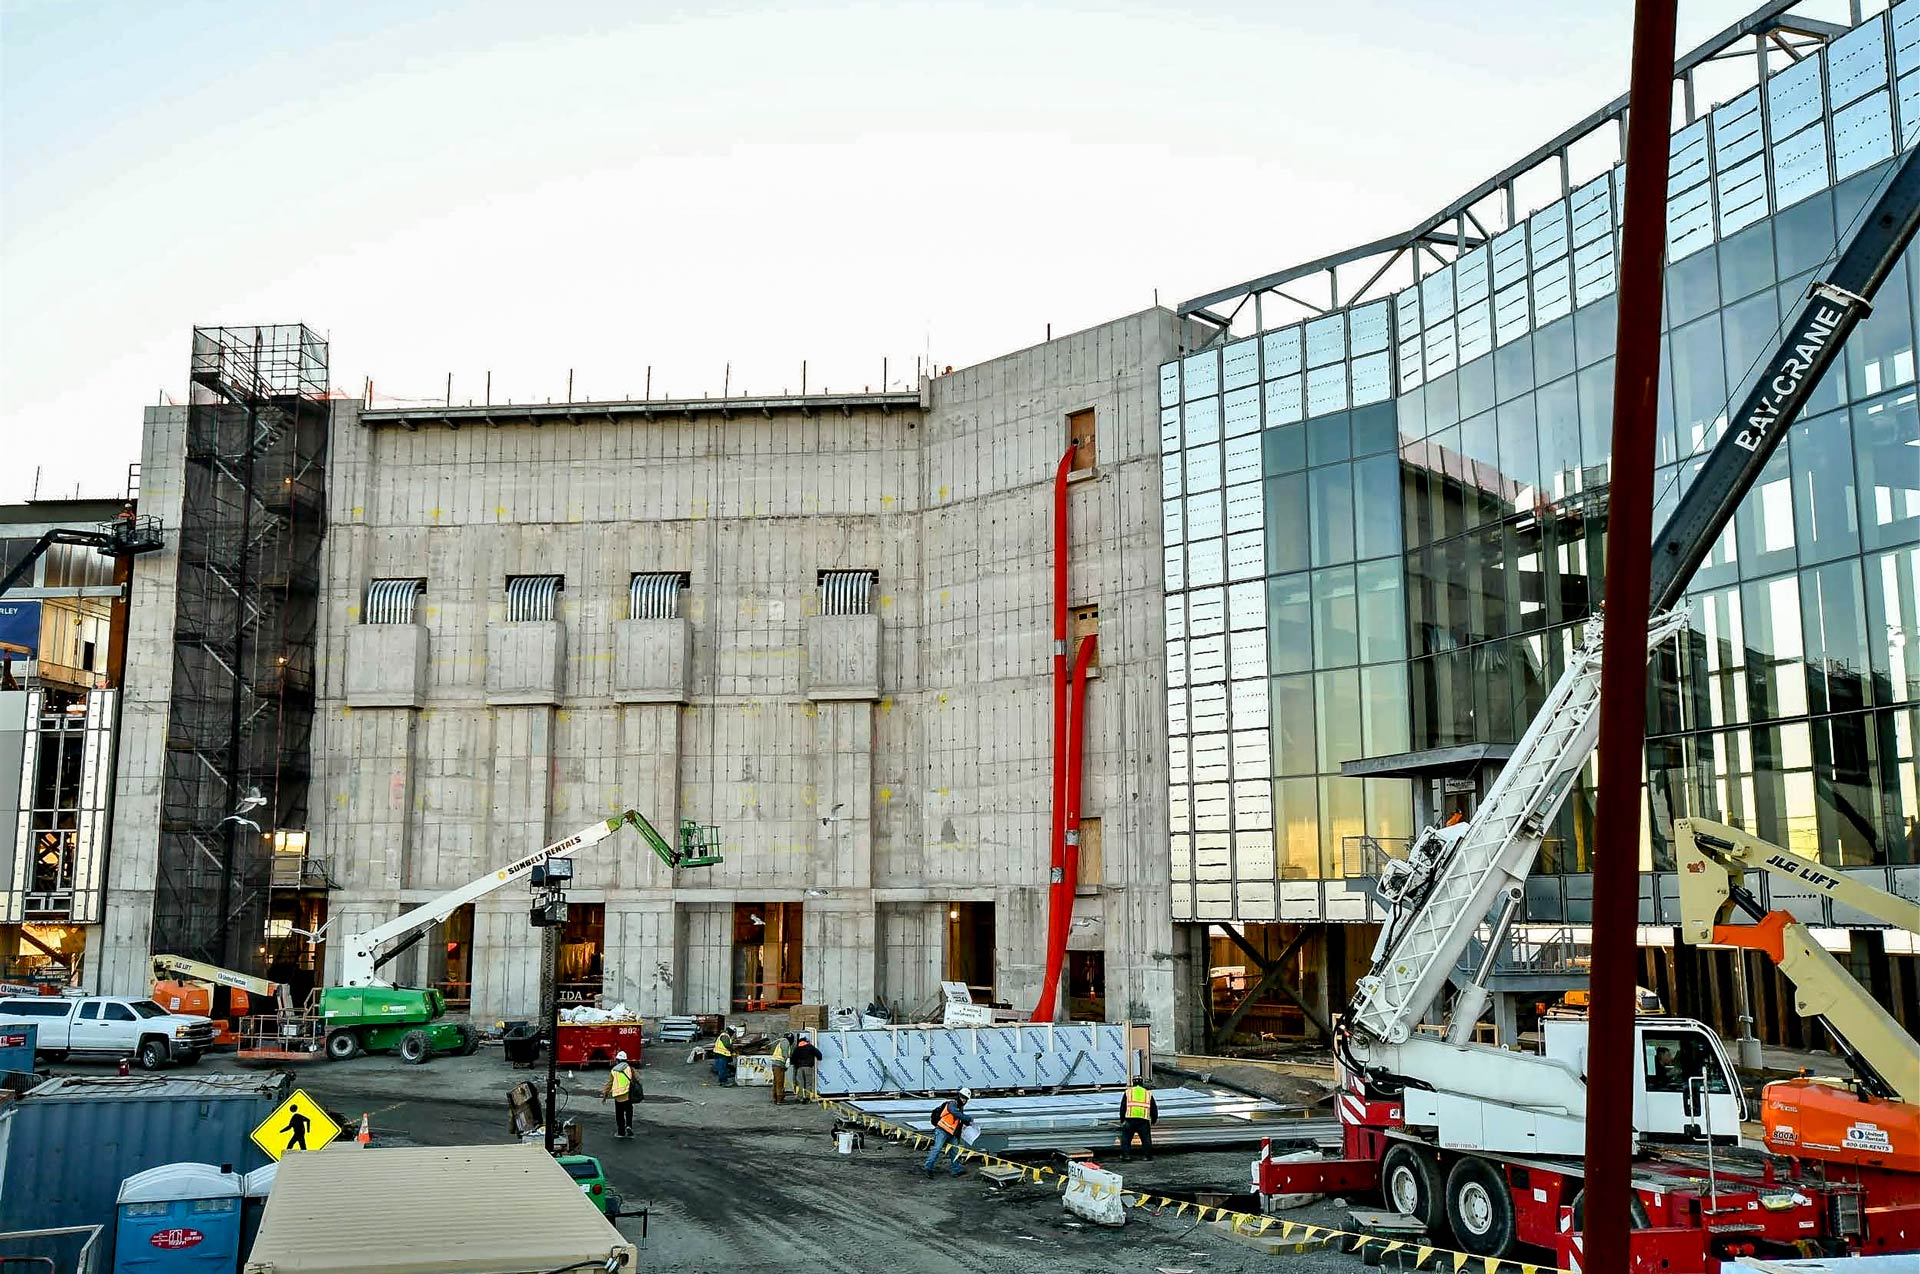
{"x":298,"y":1123}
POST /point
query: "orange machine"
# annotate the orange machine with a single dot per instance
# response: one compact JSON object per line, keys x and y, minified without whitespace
{"x":1865,"y":1129}
{"x":182,"y":985}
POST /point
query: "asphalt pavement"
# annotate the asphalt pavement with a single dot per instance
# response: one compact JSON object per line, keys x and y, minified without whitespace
{"x":730,"y":1179}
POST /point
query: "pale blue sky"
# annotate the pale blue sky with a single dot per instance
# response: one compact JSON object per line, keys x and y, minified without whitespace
{"x":529,"y":188}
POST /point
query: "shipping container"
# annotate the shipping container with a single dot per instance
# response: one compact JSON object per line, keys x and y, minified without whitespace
{"x":66,"y":1146}
{"x":496,"y":1209}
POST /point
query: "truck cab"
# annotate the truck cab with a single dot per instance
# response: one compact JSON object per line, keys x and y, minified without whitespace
{"x":110,"y":1026}
{"x":1678,"y":1060}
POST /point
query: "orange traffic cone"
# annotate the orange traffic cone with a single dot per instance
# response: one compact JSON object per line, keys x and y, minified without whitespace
{"x":365,"y":1135}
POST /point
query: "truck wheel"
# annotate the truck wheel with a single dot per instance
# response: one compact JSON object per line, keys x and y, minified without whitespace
{"x":1636,"y":1211}
{"x":1479,"y":1208}
{"x":153,"y":1054}
{"x":469,"y":1041}
{"x":1410,"y":1180}
{"x":415,"y":1048}
{"x":343,"y":1046}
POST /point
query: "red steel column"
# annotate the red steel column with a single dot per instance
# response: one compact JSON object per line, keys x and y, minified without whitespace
{"x":1611,"y":1060}
{"x":1057,"y":917}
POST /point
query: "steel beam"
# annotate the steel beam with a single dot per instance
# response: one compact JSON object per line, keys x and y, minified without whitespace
{"x":1285,"y":988}
{"x":1768,"y":17}
{"x":1271,"y":974}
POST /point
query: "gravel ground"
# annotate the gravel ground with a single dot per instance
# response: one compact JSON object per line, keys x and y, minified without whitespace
{"x":732,"y":1179}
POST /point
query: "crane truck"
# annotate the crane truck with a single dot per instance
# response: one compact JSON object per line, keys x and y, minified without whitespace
{"x":365,"y":1012}
{"x":1866,"y":1130}
{"x":1484,"y":1144}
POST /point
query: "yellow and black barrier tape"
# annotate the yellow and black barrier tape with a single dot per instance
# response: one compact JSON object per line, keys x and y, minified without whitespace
{"x":1301,"y":1233}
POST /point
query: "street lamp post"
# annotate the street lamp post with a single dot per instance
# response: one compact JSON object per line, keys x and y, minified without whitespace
{"x":549,"y":883}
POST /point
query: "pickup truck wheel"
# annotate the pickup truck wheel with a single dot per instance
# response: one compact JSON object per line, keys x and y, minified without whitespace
{"x":415,"y":1048}
{"x":343,"y":1046}
{"x":152,"y":1055}
{"x":1479,"y":1207}
{"x":1410,"y":1180}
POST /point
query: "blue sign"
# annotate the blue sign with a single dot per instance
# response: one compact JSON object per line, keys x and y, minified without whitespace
{"x":20,"y":625}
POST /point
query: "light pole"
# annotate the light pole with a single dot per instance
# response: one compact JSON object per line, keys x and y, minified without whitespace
{"x":549,"y":883}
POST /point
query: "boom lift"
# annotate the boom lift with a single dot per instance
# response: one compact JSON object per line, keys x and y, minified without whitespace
{"x":1867,"y":1130}
{"x":368,"y":1013}
{"x":193,"y":986}
{"x":1487,"y":1142}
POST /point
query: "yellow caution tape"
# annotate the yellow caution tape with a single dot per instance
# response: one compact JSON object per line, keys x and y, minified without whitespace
{"x":1240,"y":1222}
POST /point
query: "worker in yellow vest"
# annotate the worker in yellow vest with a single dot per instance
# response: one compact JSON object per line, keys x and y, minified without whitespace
{"x":723,"y":1058}
{"x":782,"y":1049}
{"x":621,"y":1087}
{"x":1138,"y":1111}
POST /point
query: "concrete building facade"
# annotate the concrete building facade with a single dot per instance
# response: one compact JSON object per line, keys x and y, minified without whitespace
{"x":820,"y":625}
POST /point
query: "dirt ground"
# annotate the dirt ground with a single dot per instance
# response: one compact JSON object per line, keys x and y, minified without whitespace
{"x":732,"y":1180}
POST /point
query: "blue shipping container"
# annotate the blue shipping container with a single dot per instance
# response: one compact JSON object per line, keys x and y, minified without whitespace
{"x":183,"y":1218}
{"x":66,"y":1146}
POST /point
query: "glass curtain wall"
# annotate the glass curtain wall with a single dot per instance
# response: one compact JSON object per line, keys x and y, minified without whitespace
{"x":1384,"y":527}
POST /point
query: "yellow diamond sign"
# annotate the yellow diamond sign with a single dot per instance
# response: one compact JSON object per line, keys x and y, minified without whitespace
{"x":298,"y":1123}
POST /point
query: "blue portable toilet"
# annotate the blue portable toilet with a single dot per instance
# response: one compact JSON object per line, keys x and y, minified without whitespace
{"x":178,"y":1218}
{"x":255,"y":1188}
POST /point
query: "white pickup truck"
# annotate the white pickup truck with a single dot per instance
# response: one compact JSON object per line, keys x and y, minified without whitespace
{"x":110,"y":1026}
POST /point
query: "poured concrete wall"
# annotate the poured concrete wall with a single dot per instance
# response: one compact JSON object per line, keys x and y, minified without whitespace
{"x":872,"y":769}
{"x":118,"y":949}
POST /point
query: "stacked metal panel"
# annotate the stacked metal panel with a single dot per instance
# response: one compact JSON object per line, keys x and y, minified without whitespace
{"x":944,"y":1059}
{"x":1091,"y":1120}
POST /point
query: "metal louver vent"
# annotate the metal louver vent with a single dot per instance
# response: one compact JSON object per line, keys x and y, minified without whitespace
{"x":655,"y":594}
{"x":392,"y":601}
{"x":847,"y":592}
{"x":533,"y":597}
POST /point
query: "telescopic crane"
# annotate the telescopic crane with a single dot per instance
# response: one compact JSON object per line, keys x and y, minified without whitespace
{"x":1439,"y":1120}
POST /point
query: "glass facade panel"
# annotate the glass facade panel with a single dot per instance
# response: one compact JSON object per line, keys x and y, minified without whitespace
{"x":1330,"y":513}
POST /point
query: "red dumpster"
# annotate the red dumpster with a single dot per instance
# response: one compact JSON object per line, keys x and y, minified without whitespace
{"x":595,"y":1043}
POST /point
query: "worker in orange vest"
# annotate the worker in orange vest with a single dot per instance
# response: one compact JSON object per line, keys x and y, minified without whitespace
{"x":949,"y":1117}
{"x":1138,"y":1111}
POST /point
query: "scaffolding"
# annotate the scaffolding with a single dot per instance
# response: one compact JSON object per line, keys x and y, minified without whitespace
{"x":240,"y":720}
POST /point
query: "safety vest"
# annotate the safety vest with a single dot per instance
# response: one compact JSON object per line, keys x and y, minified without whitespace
{"x":723,"y":1046}
{"x":622,"y":1083}
{"x":1139,"y":1103}
{"x":780,"y":1051}
{"x":949,"y":1121}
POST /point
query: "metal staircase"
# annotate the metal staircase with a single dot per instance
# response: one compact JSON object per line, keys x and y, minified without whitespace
{"x":1454,"y":876}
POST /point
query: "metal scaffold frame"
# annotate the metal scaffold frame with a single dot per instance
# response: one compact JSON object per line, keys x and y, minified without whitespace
{"x":240,"y":718}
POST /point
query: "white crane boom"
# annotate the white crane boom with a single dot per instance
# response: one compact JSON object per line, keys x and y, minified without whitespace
{"x":1453,"y":876}
{"x":366,"y":952}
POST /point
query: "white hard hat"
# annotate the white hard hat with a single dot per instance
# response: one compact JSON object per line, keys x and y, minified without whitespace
{"x":966,"y":1094}
{"x":620,"y":1056}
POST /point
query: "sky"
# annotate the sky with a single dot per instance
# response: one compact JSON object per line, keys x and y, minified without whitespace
{"x":717,"y":192}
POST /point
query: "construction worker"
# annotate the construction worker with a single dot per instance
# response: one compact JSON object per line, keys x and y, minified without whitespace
{"x":723,"y":1059}
{"x":949,"y":1117}
{"x":782,"y":1049}
{"x":620,"y":1086}
{"x":1138,"y":1112}
{"x":805,"y":1058}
